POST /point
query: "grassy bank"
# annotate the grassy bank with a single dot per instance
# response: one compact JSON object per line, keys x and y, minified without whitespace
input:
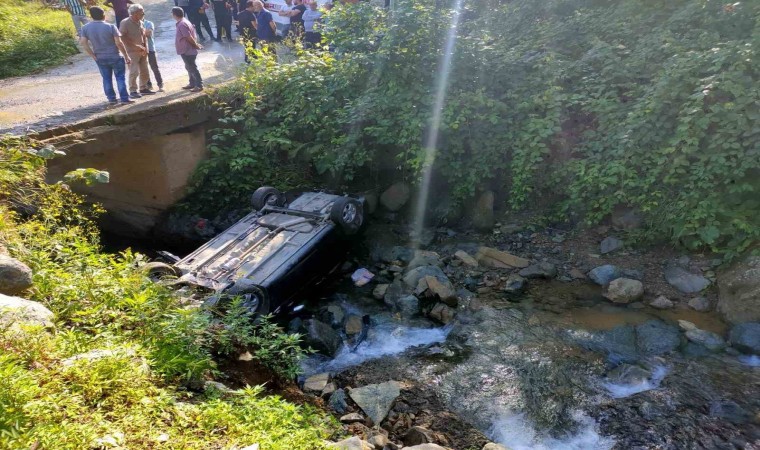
{"x":125,"y":363}
{"x":33,"y":37}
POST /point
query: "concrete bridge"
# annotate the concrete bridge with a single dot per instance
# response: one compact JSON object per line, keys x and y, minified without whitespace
{"x":150,"y":153}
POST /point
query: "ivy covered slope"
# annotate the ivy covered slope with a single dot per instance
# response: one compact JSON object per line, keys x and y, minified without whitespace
{"x":113,"y":370}
{"x":578,"y":105}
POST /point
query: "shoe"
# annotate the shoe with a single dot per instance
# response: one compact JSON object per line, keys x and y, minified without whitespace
{"x":127,"y":102}
{"x":218,"y":40}
{"x":147,"y":92}
{"x":135,"y":94}
{"x":196,"y":89}
{"x":160,"y":89}
{"x":187,"y":87}
{"x":112,"y":102}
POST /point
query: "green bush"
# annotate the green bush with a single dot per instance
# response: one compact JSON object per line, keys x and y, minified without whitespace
{"x":33,"y":37}
{"x":580,"y":106}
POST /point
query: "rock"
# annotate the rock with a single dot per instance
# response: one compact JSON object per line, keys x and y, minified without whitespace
{"x":624,"y":290}
{"x":685,"y":281}
{"x":329,"y":389}
{"x":379,"y":292}
{"x":15,"y":276}
{"x":376,"y":400}
{"x":610,"y":244}
{"x":417,"y":435}
{"x":396,"y":253}
{"x":338,"y":401}
{"x":685,"y":325}
{"x":661,"y":302}
{"x":628,"y":374}
{"x":739,"y":289}
{"x":655,"y":337}
{"x":708,"y":339}
{"x":352,"y":418}
{"x":701,"y":304}
{"x":413,"y":277}
{"x":482,"y":212}
{"x":606,"y":274}
{"x":352,"y":443}
{"x":492,"y":446}
{"x":490,"y":257}
{"x":380,"y":441}
{"x":442,"y":313}
{"x":625,"y":218}
{"x":322,"y":337}
{"x":746,"y":337}
{"x":316,"y":383}
{"x":424,"y":258}
{"x":97,"y":354}
{"x":730,"y":411}
{"x":335,"y":314}
{"x":466,"y":258}
{"x":577,"y":274}
{"x":514,"y":284}
{"x":407,"y":306}
{"x":443,"y":290}
{"x":394,"y":292}
{"x":353,"y":325}
{"x":426,"y":447}
{"x":540,"y":270}
{"x":396,"y":196}
{"x":215,"y":385}
{"x":16,"y":311}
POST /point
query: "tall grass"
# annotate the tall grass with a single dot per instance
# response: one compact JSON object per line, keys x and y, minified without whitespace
{"x":33,"y":37}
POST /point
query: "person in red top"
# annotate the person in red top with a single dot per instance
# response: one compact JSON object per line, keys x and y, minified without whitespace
{"x":187,"y":47}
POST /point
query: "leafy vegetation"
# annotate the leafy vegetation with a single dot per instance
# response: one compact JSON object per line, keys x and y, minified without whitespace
{"x":33,"y":37}
{"x":582,"y":106}
{"x":115,"y":369}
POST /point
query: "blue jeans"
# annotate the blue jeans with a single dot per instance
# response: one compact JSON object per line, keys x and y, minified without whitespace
{"x":110,"y":67}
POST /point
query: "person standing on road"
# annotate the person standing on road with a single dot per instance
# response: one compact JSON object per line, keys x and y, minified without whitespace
{"x":78,"y":15}
{"x":312,"y":17}
{"x":247,"y":24}
{"x":120,"y":9}
{"x":187,"y":47}
{"x":150,"y":29}
{"x":265,"y":26}
{"x":197,"y":16}
{"x":296,"y":18}
{"x":102,"y":42}
{"x":133,"y":36}
{"x":223,"y":16}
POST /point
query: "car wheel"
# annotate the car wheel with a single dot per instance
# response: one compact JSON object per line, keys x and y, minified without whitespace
{"x":255,"y":299}
{"x":267,"y":195}
{"x":348,"y":214}
{"x":157,"y":271}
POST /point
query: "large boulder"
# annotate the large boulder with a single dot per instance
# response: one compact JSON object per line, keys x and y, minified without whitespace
{"x":15,"y":276}
{"x":482,"y":212}
{"x":396,"y":196}
{"x":655,"y":337}
{"x":624,"y":290}
{"x":739,"y":289}
{"x":685,"y":281}
{"x":746,"y":337}
{"x":376,"y":400}
{"x":322,"y":337}
{"x":16,"y":311}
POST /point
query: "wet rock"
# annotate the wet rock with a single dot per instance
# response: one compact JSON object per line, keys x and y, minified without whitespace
{"x":701,"y":304}
{"x":376,"y":400}
{"x":417,"y":435}
{"x":466,"y":258}
{"x":490,"y":257}
{"x":685,"y":325}
{"x":352,"y":443}
{"x":329,"y":389}
{"x":396,"y":253}
{"x":482,"y":212}
{"x":413,"y":277}
{"x":442,"y":313}
{"x":708,"y":339}
{"x":685,"y":281}
{"x":628,"y":374}
{"x":624,"y":290}
{"x":424,"y":258}
{"x":693,"y":350}
{"x":444,"y":290}
{"x":334,"y":315}
{"x":407,"y":306}
{"x":393,"y":293}
{"x":338,"y":401}
{"x":739,"y":289}
{"x":352,"y":418}
{"x":379,"y":292}
{"x":15,"y":276}
{"x":655,"y":337}
{"x":544,"y":270}
{"x":492,"y":446}
{"x":745,"y":337}
{"x":353,"y":325}
{"x":604,"y":275}
{"x":316,"y":383}
{"x":661,"y":302}
{"x":576,"y":274}
{"x":625,"y":218}
{"x":514,"y":284}
{"x":426,"y":447}
{"x":730,"y":411}
{"x":610,"y":244}
{"x":322,"y":337}
{"x":15,"y":311}
{"x":396,"y":196}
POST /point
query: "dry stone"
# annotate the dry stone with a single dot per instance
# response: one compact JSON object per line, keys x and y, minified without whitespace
{"x":661,"y":302}
{"x":15,"y":276}
{"x":490,"y":257}
{"x":15,"y":311}
{"x":624,"y":290}
{"x":316,"y":383}
{"x":379,"y":292}
{"x":466,"y":258}
{"x":739,"y":289}
{"x":376,"y":400}
{"x":442,"y":313}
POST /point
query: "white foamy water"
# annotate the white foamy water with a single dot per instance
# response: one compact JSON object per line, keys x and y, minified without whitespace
{"x":517,"y":432}
{"x":383,"y":340}
{"x":622,"y":390}
{"x":750,"y":360}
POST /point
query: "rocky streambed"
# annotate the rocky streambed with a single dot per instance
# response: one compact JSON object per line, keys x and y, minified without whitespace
{"x":531,"y":341}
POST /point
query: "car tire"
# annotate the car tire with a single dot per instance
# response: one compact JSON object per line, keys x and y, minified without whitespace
{"x":156,"y":271}
{"x":348,"y":214}
{"x":267,"y":195}
{"x":255,"y":299}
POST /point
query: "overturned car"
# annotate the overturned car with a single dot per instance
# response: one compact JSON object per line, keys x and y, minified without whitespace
{"x":275,"y":253}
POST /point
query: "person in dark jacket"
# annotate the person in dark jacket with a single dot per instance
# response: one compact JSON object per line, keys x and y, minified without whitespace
{"x":223,"y":16}
{"x":197,"y":13}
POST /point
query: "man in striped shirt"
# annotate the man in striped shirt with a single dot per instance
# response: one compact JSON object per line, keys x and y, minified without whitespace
{"x":78,"y":14}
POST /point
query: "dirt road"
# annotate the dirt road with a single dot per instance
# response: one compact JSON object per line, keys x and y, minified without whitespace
{"x":74,"y":91}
